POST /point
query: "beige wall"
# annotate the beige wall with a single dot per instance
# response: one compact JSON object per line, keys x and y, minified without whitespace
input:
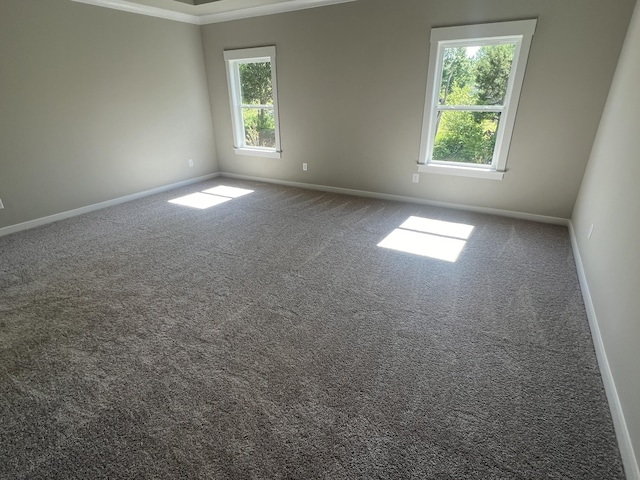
{"x":352,"y":81}
{"x":610,"y":200}
{"x":96,"y":104}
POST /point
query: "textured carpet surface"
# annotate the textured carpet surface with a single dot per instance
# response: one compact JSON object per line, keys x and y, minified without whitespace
{"x":270,"y":337}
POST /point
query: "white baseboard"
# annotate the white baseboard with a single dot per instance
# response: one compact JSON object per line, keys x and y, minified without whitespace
{"x":347,"y":191}
{"x":97,"y":206}
{"x":622,"y":432}
{"x":401,"y":198}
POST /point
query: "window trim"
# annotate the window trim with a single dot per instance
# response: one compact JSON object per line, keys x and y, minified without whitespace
{"x":519,"y":32}
{"x":234,"y":58}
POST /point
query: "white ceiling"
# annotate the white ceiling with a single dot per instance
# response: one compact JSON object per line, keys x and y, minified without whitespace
{"x":209,"y":11}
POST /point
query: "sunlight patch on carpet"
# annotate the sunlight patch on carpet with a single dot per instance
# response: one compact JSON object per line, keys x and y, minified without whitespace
{"x":199,"y":200}
{"x":429,"y":238}
{"x":210,"y":197}
{"x":225,"y":191}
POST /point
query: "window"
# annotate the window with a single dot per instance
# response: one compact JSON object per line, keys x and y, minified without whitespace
{"x":473,"y":88}
{"x":253,"y":96}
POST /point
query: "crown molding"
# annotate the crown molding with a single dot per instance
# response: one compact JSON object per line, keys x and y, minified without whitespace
{"x":143,"y":10}
{"x":205,"y":19}
{"x":267,"y":10}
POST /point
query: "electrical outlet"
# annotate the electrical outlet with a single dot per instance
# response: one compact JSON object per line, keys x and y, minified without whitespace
{"x":416,"y":177}
{"x":1,"y":205}
{"x":191,"y":162}
{"x":304,"y":167}
{"x":590,"y":232}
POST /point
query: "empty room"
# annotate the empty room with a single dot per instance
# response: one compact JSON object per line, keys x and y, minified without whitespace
{"x":338,"y":239}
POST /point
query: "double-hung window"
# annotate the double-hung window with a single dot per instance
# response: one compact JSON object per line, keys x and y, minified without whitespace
{"x":475,"y":77}
{"x":253,"y":96}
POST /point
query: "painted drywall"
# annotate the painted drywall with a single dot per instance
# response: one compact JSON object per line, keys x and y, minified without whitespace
{"x":96,"y":104}
{"x":609,"y":199}
{"x":352,"y":81}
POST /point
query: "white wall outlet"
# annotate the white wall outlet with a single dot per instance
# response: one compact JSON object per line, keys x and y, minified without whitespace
{"x":590,"y":232}
{"x":304,"y":167}
{"x":191,"y":162}
{"x":416,"y":177}
{"x":1,"y":205}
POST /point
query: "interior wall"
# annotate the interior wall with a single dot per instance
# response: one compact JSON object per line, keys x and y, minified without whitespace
{"x":352,"y":82}
{"x":610,"y":201}
{"x":96,"y":104}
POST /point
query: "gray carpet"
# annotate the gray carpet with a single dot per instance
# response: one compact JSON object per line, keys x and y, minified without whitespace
{"x":269,"y":337}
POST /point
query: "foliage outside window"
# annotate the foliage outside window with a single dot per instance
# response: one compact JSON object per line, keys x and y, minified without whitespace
{"x":475,"y":77}
{"x":253,"y":99}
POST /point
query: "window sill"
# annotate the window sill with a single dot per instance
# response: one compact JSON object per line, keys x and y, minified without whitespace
{"x":461,"y":171}
{"x":257,"y":152}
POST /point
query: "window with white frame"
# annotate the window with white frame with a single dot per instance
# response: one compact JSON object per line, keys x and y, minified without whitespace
{"x":475,"y":77}
{"x":253,"y":96}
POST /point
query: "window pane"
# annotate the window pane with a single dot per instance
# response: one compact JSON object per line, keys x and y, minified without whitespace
{"x":468,"y":137}
{"x":476,"y":75}
{"x":259,"y":127}
{"x":255,"y":83}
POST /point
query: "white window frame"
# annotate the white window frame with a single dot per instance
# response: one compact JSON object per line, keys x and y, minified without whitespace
{"x":519,"y":33}
{"x":233,"y":59}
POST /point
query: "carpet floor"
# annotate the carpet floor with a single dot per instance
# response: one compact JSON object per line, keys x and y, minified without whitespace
{"x":270,"y":337}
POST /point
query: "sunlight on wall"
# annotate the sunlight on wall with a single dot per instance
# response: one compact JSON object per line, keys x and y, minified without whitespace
{"x":429,"y":238}
{"x":210,"y":197}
